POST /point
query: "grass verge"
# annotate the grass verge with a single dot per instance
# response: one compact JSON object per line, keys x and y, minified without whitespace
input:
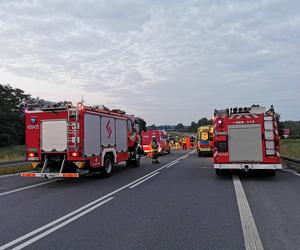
{"x":12,"y":153}
{"x":290,"y":147}
{"x":16,"y":169}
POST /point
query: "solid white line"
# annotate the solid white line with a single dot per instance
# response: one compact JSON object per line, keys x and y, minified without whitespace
{"x":174,"y":163}
{"x":53,"y":229}
{"x":9,"y":175}
{"x":251,"y":235}
{"x":77,"y":210}
{"x":27,"y":187}
{"x":290,"y":171}
{"x":145,"y":179}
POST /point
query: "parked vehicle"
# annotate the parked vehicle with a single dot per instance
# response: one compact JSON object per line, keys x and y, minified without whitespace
{"x":205,"y":140}
{"x":68,"y":141}
{"x":246,"y":139}
{"x":162,"y":140}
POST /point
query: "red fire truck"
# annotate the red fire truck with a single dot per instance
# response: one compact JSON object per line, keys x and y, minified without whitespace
{"x":66,"y":140}
{"x":246,"y":139}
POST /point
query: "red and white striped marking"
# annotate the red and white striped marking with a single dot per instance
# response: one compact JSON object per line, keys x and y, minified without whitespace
{"x":248,"y":116}
{"x":215,"y":153}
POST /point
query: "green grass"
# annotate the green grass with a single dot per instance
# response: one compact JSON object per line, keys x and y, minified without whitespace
{"x":12,"y":153}
{"x":14,"y":170}
{"x":290,"y":147}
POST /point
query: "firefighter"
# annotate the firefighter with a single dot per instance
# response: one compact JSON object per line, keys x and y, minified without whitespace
{"x":188,"y":142}
{"x":154,"y":147}
{"x":184,"y":143}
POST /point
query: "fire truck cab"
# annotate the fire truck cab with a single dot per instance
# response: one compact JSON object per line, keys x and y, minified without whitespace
{"x":246,"y":139}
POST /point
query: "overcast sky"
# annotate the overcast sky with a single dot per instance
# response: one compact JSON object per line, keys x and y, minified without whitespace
{"x":168,"y":61}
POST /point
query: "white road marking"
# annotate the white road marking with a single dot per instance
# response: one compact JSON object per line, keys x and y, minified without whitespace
{"x":53,"y":229}
{"x":38,"y":230}
{"x":9,"y":175}
{"x":290,"y":171}
{"x":27,"y":187}
{"x":145,"y":179}
{"x":251,"y":235}
{"x":174,"y":163}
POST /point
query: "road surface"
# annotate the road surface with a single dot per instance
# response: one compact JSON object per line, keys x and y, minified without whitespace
{"x":178,"y":204}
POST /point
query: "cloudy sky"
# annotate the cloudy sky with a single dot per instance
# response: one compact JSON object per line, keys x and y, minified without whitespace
{"x":168,"y":61}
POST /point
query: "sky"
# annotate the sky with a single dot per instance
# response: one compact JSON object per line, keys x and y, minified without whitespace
{"x":168,"y":61}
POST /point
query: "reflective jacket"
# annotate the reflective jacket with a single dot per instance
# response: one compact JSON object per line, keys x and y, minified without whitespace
{"x":154,"y":146}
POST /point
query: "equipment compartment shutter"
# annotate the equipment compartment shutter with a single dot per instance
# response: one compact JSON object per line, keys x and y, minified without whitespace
{"x":268,"y":125}
{"x":270,"y":145}
{"x":54,"y":135}
{"x":269,"y":135}
{"x":245,"y":143}
{"x":121,"y":135}
{"x":108,"y":133}
{"x":91,"y":135}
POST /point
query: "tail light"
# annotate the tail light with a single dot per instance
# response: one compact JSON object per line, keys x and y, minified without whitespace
{"x":220,"y":123}
{"x":31,"y":154}
{"x":75,"y":154}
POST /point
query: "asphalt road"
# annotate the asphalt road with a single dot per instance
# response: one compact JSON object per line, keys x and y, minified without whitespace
{"x":5,"y":164}
{"x":178,"y":204}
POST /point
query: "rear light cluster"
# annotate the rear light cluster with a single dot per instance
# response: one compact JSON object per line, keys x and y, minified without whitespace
{"x":74,"y":154}
{"x":220,"y":123}
{"x":31,"y":154}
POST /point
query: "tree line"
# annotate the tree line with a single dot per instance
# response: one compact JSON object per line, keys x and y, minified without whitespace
{"x":12,"y":116}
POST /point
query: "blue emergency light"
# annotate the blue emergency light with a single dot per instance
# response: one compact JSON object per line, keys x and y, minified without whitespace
{"x":33,"y":120}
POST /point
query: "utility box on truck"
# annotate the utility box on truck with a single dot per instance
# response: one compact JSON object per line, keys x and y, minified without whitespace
{"x":67,"y":141}
{"x":246,"y":139}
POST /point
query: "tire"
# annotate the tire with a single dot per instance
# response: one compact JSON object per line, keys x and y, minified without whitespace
{"x":108,"y":166}
{"x":134,"y":162}
{"x":272,"y":172}
{"x":219,"y":172}
{"x":137,"y":161}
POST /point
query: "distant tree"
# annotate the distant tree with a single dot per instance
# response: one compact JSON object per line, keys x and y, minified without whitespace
{"x":179,"y":127}
{"x":204,"y":122}
{"x":280,"y":125}
{"x":294,"y":127}
{"x":11,"y":116}
{"x":193,"y":127}
{"x":152,"y":127}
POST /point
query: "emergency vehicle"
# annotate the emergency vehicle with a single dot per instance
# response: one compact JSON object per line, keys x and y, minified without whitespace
{"x":246,"y":139}
{"x":161,"y":138}
{"x":66,"y":140}
{"x":205,"y":141}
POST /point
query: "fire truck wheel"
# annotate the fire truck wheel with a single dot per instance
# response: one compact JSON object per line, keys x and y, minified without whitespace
{"x":108,"y":166}
{"x":272,"y":172}
{"x":219,"y":172}
{"x":137,"y":161}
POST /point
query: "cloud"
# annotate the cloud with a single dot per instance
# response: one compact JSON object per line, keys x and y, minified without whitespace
{"x":159,"y":58}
